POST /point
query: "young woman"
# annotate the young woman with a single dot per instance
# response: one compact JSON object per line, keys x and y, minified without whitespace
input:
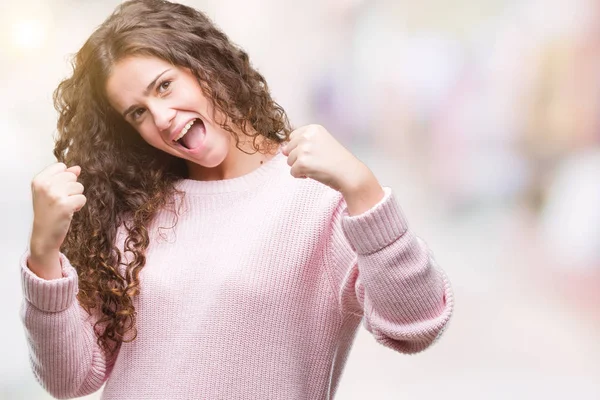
{"x":189,"y":244}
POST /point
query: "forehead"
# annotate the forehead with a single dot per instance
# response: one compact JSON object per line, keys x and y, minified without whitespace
{"x":129,"y":78}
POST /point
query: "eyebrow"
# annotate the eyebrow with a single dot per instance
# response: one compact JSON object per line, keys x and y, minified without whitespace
{"x":146,"y":92}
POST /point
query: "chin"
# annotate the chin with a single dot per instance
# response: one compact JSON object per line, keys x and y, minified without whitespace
{"x":211,"y":160}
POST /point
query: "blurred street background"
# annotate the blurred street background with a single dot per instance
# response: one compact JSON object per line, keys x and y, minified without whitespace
{"x":482,"y":115}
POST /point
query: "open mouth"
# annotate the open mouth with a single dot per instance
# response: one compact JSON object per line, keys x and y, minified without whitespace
{"x":192,"y":135}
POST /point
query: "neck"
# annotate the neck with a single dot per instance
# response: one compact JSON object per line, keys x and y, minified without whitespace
{"x":237,"y":163}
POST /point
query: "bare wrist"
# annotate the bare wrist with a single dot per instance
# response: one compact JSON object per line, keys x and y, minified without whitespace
{"x":44,"y":262}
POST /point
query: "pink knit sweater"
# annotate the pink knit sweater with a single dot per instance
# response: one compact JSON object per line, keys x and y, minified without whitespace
{"x":256,"y":293}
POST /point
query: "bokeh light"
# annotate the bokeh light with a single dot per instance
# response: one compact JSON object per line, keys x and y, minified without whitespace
{"x":28,"y":34}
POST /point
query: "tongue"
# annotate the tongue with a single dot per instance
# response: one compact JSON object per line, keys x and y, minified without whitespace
{"x":193,"y":137}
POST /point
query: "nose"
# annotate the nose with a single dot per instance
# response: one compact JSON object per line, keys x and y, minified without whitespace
{"x":163,"y":116}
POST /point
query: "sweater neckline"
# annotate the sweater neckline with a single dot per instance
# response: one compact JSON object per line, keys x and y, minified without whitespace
{"x":238,"y":184}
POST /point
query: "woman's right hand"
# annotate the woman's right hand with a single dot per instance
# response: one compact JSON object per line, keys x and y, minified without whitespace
{"x":56,"y":197}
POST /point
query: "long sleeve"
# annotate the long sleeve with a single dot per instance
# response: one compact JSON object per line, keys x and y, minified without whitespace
{"x":64,"y":354}
{"x":386,"y":274}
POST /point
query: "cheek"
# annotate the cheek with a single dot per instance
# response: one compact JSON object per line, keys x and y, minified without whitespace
{"x":150,"y":135}
{"x":212,"y":114}
{"x":201,"y":102}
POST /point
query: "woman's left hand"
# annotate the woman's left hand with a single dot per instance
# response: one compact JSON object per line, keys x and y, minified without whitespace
{"x":314,"y":153}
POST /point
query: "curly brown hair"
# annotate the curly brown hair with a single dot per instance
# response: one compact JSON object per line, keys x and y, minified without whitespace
{"x":128,"y":181}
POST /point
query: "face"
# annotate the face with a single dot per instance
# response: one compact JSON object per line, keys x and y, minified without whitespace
{"x":160,"y":101}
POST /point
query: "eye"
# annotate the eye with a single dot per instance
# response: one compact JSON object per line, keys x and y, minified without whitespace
{"x":137,"y":113}
{"x":163,"y":86}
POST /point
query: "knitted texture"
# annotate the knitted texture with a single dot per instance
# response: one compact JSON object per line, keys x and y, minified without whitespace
{"x":256,"y":293}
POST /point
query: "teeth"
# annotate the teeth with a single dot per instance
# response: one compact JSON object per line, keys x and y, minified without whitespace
{"x":185,"y":130}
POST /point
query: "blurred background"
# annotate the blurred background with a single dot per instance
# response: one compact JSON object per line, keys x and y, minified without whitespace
{"x":482,"y":115}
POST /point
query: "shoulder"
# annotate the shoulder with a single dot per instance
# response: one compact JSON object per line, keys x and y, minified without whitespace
{"x":308,"y":196}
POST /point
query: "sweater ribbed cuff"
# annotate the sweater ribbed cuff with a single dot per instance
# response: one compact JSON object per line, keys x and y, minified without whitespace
{"x":49,"y":295}
{"x":377,"y":227}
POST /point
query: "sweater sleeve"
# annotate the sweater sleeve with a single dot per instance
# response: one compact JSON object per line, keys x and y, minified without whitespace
{"x":387,"y":275}
{"x":64,"y":355}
